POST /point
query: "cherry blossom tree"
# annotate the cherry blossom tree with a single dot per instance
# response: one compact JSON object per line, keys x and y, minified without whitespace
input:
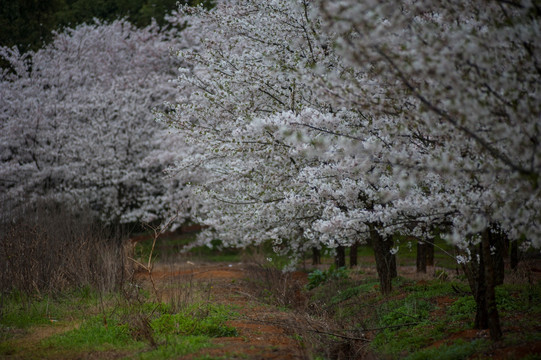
{"x":335,"y":122}
{"x":273,"y":169}
{"x":77,"y":124}
{"x":472,"y":72}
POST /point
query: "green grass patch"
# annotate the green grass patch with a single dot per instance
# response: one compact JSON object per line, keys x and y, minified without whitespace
{"x":171,"y":246}
{"x":96,"y":333}
{"x":148,"y":326}
{"x":318,"y":277}
{"x":415,"y":315}
{"x":208,"y":320}
{"x":22,"y":311}
{"x":457,"y":351}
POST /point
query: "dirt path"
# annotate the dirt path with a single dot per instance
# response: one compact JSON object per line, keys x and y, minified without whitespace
{"x":259,"y":335}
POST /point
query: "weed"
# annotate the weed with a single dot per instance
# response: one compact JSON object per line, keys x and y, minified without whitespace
{"x":22,"y":311}
{"x":318,"y":277}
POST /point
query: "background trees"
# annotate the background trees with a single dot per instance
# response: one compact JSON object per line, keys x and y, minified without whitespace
{"x":309,"y":124}
{"x":77,"y":125}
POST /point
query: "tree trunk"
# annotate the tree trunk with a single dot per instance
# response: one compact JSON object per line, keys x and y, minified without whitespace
{"x":479,"y":292}
{"x":497,"y":250}
{"x":340,"y":258}
{"x":475,"y":274}
{"x":421,"y":256}
{"x":392,"y":269}
{"x":316,"y":256}
{"x":480,"y":276}
{"x":353,"y":254}
{"x":514,"y":255}
{"x":384,"y":259}
{"x":490,"y":277}
{"x":429,"y":250}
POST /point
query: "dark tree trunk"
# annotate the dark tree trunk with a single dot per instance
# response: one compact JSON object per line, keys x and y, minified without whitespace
{"x":421,"y":256}
{"x":481,"y":278}
{"x":316,"y":256}
{"x":429,"y":246}
{"x":340,"y":258}
{"x":353,"y":254}
{"x":384,"y":259}
{"x":514,"y":255}
{"x":394,"y":273}
{"x":497,"y":251}
{"x":490,"y":277}
{"x":475,"y":273}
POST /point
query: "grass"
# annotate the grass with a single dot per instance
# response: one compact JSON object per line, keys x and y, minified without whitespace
{"x":457,"y":351}
{"x":132,"y":325}
{"x":150,"y":328}
{"x":96,"y":333}
{"x":416,"y":315}
{"x":22,"y":311}
{"x":169,"y":248}
{"x":177,"y":346}
{"x":419,"y":320}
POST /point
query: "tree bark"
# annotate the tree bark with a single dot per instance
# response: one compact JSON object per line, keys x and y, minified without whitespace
{"x":340,"y":258}
{"x":394,"y":272}
{"x":497,"y":251}
{"x":490,"y":277}
{"x":384,"y":259}
{"x":421,"y":256}
{"x":353,"y":254}
{"x":514,"y":255}
{"x":316,"y":256}
{"x":475,"y":274}
{"x":429,"y":250}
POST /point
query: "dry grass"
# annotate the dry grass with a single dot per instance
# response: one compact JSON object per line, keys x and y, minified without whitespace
{"x":49,"y":249}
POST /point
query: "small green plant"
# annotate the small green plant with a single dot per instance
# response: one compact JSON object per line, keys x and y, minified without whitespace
{"x":318,"y":277}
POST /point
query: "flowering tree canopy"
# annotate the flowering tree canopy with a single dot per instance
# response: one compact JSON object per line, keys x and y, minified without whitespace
{"x":314,"y":123}
{"x":77,"y":126}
